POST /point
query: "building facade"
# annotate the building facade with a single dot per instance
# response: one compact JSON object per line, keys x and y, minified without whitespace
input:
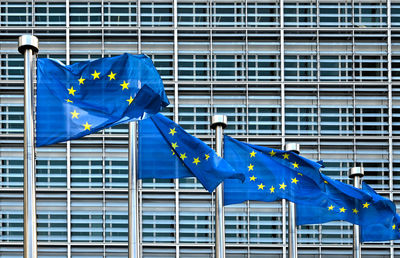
{"x":322,"y":73}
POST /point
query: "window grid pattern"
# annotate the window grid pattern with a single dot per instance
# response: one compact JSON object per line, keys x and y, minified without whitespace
{"x":331,"y":89}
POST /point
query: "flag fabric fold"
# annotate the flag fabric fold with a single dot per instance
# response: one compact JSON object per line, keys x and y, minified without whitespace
{"x":384,"y":223}
{"x":375,"y":214}
{"x":339,"y":201}
{"x":83,"y":98}
{"x":166,"y":150}
{"x":270,"y":175}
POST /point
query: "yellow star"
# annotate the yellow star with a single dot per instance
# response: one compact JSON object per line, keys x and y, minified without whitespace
{"x":300,"y":174}
{"x":68,"y":100}
{"x":253,"y":178}
{"x":87,"y":126}
{"x":272,"y":189}
{"x":261,"y":186}
{"x":175,"y":145}
{"x":125,"y":85}
{"x":342,"y":210}
{"x":81,"y":80}
{"x":252,"y":154}
{"x":394,"y":226}
{"x":272,"y":153}
{"x":173,"y":152}
{"x":365,"y":205}
{"x":95,"y":75}
{"x":355,"y":211}
{"x":326,"y":182}
{"x":250,"y":167}
{"x":183,"y":156}
{"x":112,"y":76}
{"x":282,"y":186}
{"x":286,"y":156}
{"x":75,"y":114}
{"x":130,"y":100}
{"x":172,"y":131}
{"x":207,"y":156}
{"x":294,"y":181}
{"x":330,"y":208}
{"x":295,"y":165}
{"x":71,"y":91}
{"x":196,"y":161}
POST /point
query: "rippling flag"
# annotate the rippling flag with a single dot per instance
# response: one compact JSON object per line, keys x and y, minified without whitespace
{"x":375,"y":214}
{"x":384,"y":223}
{"x":83,"y":98}
{"x":340,"y":201}
{"x":166,"y":150}
{"x":270,"y":175}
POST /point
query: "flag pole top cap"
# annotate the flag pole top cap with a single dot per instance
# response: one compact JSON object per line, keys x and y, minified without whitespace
{"x":28,"y":42}
{"x":356,"y":171}
{"x":295,"y":147}
{"x":219,"y":120}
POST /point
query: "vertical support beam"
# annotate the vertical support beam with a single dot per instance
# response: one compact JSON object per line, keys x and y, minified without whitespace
{"x":68,"y":62}
{"x":282,"y":76}
{"x":133,"y":208}
{"x":28,"y":45}
{"x":218,"y":123}
{"x":176,"y":112}
{"x":294,"y":147}
{"x":356,"y":173}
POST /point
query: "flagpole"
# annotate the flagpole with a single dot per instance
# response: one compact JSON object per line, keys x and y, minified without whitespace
{"x":294,"y":147}
{"x":28,"y":45}
{"x":218,"y":123}
{"x":133,"y":208}
{"x":356,"y":173}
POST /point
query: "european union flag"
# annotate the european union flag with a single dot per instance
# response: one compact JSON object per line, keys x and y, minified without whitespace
{"x":339,"y":201}
{"x":376,"y":215}
{"x":85,"y":97}
{"x":270,"y":175}
{"x":384,"y":223}
{"x":168,"y":151}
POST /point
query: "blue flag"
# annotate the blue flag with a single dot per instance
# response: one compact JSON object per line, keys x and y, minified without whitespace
{"x":384,"y":223}
{"x":168,"y":151}
{"x":340,"y":201}
{"x":376,"y":215}
{"x":270,"y":175}
{"x":83,"y":98}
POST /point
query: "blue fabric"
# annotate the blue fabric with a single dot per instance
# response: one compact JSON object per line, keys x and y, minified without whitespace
{"x":376,"y":215}
{"x":270,"y":175}
{"x":383,"y":223}
{"x":168,"y":151}
{"x":338,"y":201}
{"x":83,"y":98}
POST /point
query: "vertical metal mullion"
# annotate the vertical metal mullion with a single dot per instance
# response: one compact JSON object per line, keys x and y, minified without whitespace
{"x":68,"y":62}
{"x":139,"y":182}
{"x":390,"y":104}
{"x":282,"y":75}
{"x":176,"y":113}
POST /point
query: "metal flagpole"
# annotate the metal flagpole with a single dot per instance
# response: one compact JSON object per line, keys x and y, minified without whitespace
{"x":28,"y":45}
{"x":218,"y":123}
{"x":356,"y":173}
{"x":295,"y":147}
{"x":133,"y":208}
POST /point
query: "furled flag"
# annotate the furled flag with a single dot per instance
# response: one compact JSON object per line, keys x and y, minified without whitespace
{"x":383,"y":223}
{"x":168,"y":151}
{"x":83,"y":98}
{"x":270,"y":175}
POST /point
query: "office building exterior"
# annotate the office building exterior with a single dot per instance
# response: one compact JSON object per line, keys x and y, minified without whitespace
{"x":322,"y":73}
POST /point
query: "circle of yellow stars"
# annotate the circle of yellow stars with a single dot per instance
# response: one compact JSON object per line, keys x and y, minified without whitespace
{"x":95,"y":75}
{"x":174,"y":145}
{"x":272,"y":189}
